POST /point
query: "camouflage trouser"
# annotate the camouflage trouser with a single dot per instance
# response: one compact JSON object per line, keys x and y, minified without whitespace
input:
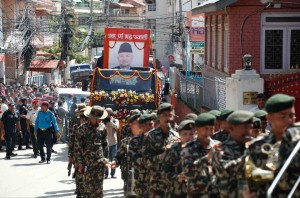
{"x":141,"y":190}
{"x":155,"y":193}
{"x":178,"y":190}
{"x":93,"y":183}
{"x":128,"y":189}
{"x":79,"y":180}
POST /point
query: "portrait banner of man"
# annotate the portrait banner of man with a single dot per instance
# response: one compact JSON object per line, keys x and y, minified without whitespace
{"x":126,"y":48}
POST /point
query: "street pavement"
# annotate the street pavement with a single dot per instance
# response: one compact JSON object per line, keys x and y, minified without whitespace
{"x":23,"y":176}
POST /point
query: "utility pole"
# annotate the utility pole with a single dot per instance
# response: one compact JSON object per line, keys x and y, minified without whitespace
{"x":107,"y":12}
{"x":92,"y":30}
{"x":182,"y":35}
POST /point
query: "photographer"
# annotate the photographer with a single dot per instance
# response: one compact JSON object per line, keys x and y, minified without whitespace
{"x":112,"y":127}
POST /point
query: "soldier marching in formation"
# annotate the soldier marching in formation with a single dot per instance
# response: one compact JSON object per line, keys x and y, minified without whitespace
{"x":216,"y":154}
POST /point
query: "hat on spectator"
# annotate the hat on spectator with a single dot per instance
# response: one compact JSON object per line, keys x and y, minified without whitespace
{"x":45,"y":103}
{"x":51,"y":102}
{"x":11,"y":104}
{"x":35,"y":101}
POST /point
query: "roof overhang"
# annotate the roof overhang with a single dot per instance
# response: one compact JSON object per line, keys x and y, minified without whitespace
{"x":212,"y":6}
{"x":46,"y":66}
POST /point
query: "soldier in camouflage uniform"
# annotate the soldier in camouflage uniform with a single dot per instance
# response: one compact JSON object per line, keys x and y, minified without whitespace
{"x":81,"y":119}
{"x":289,"y":141}
{"x":281,"y":113}
{"x":121,"y":159}
{"x":217,"y":114}
{"x":228,"y":159}
{"x":172,"y":164}
{"x":157,"y":142}
{"x":223,"y":133}
{"x":91,"y":161}
{"x":135,"y":155}
{"x":199,"y":181}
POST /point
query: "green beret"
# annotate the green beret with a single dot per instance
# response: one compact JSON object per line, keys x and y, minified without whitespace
{"x":191,"y":116}
{"x":186,"y":125}
{"x":164,"y":107}
{"x":261,"y":114}
{"x":240,"y":117}
{"x":205,"y":119}
{"x":279,"y":102}
{"x":216,"y":113}
{"x":134,"y":117}
{"x":145,"y":118}
{"x":225,"y":113}
{"x":256,"y":124}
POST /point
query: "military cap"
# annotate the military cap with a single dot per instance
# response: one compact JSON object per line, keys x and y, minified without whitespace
{"x":145,"y":118}
{"x":256,"y":123}
{"x":205,"y":119}
{"x":216,"y":113}
{"x":134,"y":117}
{"x":279,"y":102}
{"x":186,"y":125}
{"x":260,"y":95}
{"x":225,"y":113}
{"x":80,"y":107}
{"x":261,"y":114}
{"x":164,"y":107}
{"x":96,"y":111}
{"x":125,"y":47}
{"x":191,"y":116}
{"x":132,"y":112}
{"x":240,"y":117}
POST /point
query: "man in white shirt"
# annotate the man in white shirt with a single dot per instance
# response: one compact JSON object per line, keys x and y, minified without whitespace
{"x":31,"y":117}
{"x":4,"y":106}
{"x":260,"y":102}
{"x":112,"y":127}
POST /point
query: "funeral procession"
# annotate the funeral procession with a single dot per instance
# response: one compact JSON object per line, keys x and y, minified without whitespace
{"x":150,"y":98}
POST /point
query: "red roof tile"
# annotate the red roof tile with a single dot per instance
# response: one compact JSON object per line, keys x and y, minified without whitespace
{"x":43,"y":65}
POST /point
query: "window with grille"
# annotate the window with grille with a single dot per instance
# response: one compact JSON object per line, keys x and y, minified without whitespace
{"x":280,"y":44}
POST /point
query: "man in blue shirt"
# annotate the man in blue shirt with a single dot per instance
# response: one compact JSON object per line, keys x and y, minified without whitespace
{"x":43,"y":130}
{"x":10,"y":123}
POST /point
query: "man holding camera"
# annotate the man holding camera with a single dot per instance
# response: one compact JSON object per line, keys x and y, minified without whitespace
{"x":112,"y":127}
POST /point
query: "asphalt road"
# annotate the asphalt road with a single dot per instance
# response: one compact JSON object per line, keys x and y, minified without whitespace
{"x":23,"y":176}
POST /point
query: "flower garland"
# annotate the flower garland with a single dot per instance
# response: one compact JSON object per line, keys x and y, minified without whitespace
{"x":123,"y":97}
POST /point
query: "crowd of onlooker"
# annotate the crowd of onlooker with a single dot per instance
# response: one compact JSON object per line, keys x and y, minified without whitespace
{"x":28,"y":94}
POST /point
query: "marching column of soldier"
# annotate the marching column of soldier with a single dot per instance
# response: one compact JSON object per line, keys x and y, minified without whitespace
{"x":215,"y":154}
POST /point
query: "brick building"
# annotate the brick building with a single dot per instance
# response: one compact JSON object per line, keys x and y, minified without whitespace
{"x":268,"y":30}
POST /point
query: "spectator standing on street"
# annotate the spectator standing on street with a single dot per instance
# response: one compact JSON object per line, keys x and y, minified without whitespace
{"x":112,"y":127}
{"x":260,"y":102}
{"x":23,"y":122}
{"x":10,"y":123}
{"x":31,"y":117}
{"x":51,"y":108}
{"x":44,"y":124}
{"x":62,"y":114}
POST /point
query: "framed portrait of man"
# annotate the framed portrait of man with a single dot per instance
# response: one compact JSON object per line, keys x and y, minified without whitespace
{"x":126,"y":48}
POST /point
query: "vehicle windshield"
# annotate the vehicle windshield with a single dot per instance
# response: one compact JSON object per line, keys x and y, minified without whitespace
{"x":78,"y":96}
{"x":79,"y":67}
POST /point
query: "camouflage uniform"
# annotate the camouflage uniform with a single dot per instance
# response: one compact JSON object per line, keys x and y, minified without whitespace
{"x":199,"y":180}
{"x":289,"y":141}
{"x":155,"y":146}
{"x":172,"y":167}
{"x":260,"y":160}
{"x":140,"y":171}
{"x":90,"y":154}
{"x":71,"y":144}
{"x":122,"y":161}
{"x":228,"y":163}
{"x":220,"y":135}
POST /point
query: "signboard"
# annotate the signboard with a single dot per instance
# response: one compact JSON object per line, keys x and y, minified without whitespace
{"x":124,"y":81}
{"x":125,"y":48}
{"x":197,"y":28}
{"x":249,"y":98}
{"x":197,"y":44}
